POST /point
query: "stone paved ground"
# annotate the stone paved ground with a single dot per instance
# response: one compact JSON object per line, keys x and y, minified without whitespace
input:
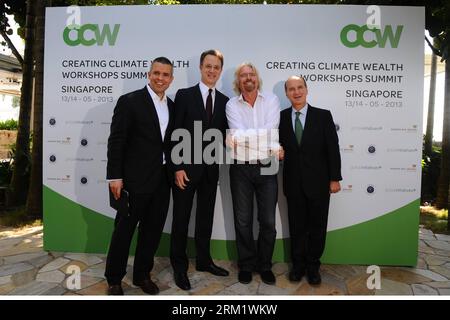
{"x":25,"y":269}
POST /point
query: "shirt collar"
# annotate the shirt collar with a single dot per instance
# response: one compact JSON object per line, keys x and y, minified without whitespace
{"x":204,"y":88}
{"x":155,"y":96}
{"x":260,"y":94}
{"x":303,"y":111}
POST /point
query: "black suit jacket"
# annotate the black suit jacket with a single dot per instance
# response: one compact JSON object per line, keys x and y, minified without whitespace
{"x":312,"y":165}
{"x":135,"y":145}
{"x":189,"y":107}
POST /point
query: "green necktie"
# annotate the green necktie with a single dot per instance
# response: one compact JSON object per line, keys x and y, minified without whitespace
{"x":298,"y":128}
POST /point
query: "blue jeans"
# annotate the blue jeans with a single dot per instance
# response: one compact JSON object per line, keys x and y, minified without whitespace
{"x":246,"y":181}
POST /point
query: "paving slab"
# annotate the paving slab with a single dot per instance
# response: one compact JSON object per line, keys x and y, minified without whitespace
{"x":33,"y":288}
{"x":441,"y":270}
{"x":55,"y":291}
{"x":423,"y":290}
{"x":444,"y":292}
{"x":403,"y":276}
{"x":425,"y":231}
{"x":55,"y":264}
{"x":389,"y":287}
{"x":428,"y":274}
{"x":433,"y":260}
{"x":9,"y":269}
{"x":444,"y":237}
{"x":5,"y":279}
{"x":24,"y":257}
{"x":357,"y":285}
{"x":437,"y":244}
{"x":88,"y":259}
{"x":323,"y":290}
{"x":22,"y":278}
{"x":439,"y":285}
{"x":54,"y":276}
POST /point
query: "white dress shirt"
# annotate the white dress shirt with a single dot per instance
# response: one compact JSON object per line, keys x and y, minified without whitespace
{"x":162,"y":110}
{"x":254,"y":129}
{"x":303,"y":112}
{"x":204,"y":89}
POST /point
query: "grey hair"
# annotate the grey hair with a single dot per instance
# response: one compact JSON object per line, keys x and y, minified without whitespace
{"x":236,"y":76}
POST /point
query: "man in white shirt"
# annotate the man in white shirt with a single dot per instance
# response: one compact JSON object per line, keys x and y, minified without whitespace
{"x":253,"y":119}
{"x":138,"y":148}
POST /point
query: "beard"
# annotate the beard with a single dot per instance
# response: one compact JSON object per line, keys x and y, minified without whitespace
{"x":249,"y":86}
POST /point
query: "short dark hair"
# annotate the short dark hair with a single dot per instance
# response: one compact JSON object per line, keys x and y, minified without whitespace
{"x":162,"y":60}
{"x":301,"y":77}
{"x":212,"y":52}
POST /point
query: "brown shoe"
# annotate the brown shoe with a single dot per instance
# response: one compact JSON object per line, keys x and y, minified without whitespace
{"x":147,"y":285}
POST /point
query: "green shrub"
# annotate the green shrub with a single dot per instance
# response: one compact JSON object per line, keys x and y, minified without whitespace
{"x":10,"y":124}
{"x":17,"y":217}
{"x":434,"y":219}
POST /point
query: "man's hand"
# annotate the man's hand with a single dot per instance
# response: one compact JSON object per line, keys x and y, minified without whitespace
{"x":116,"y":186}
{"x":230,"y":142}
{"x":280,"y":153}
{"x":335,"y":186}
{"x":181,"y":179}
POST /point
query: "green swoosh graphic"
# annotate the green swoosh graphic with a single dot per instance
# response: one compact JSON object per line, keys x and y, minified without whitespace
{"x":391,"y":239}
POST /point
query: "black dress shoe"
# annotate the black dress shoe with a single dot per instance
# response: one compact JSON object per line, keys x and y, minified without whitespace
{"x":314,"y":277}
{"x":215,"y":270}
{"x":296,"y":275}
{"x":115,"y":290}
{"x":182,"y":280}
{"x":245,"y":277}
{"x":147,"y":285}
{"x":267,"y":277}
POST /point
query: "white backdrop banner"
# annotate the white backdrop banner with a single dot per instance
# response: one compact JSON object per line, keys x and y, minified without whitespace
{"x":370,"y":79}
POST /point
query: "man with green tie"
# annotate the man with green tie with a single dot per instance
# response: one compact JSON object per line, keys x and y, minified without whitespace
{"x":311,"y":172}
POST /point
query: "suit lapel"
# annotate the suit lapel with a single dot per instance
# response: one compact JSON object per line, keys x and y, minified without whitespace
{"x":291,"y":132}
{"x":217,"y":102}
{"x":199,"y":102}
{"x":148,"y":103}
{"x":170,"y":124}
{"x":310,"y":116}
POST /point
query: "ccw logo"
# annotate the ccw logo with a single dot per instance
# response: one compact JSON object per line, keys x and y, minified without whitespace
{"x":369,"y":38}
{"x":90,"y":34}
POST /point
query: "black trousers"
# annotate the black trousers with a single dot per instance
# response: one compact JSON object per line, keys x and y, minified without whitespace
{"x":206,"y":189}
{"x":308,"y":219}
{"x":150,"y":212}
{"x":246,"y":181}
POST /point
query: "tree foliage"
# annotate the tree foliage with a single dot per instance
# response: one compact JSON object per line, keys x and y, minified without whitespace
{"x":16,"y":8}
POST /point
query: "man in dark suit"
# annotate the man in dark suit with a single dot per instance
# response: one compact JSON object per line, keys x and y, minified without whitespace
{"x":201,"y":106}
{"x":312,"y":171}
{"x":138,"y":150}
